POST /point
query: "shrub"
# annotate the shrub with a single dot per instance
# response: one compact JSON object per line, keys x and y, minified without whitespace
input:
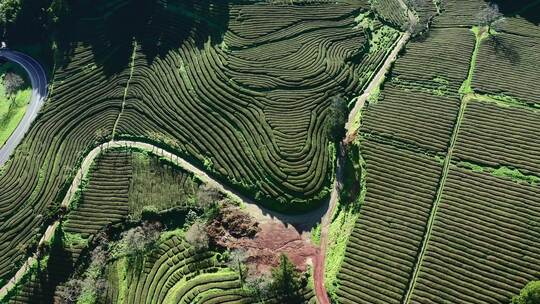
{"x":530,"y":294}
{"x":196,"y":235}
{"x":286,"y":281}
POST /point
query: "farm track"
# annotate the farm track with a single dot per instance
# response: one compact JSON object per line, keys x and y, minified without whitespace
{"x":320,"y":290}
{"x":322,"y":214}
{"x":446,"y":169}
{"x":260,"y":213}
{"x":38,"y":79}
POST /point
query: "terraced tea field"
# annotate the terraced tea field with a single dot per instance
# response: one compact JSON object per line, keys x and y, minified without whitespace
{"x":473,"y":232}
{"x":167,"y":143}
{"x":106,"y":83}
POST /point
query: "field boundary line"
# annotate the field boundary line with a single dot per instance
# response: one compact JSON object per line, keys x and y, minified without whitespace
{"x":132,"y":68}
{"x":465,"y":87}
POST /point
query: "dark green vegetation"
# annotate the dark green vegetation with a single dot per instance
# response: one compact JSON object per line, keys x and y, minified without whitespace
{"x":256,"y":101}
{"x":451,"y":209}
{"x":101,"y":253}
{"x":496,"y":136}
{"x":530,"y":294}
{"x":380,"y":256}
{"x":390,"y":11}
{"x":420,"y":118}
{"x":445,"y":55}
{"x":483,"y":247}
{"x":507,"y":63}
{"x":103,"y":202}
{"x":241,"y":90}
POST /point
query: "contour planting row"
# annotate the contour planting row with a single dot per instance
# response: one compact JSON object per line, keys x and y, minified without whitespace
{"x":105,"y":200}
{"x":257,"y":104}
{"x":80,"y":112}
{"x":484,"y":245}
{"x":391,"y":11}
{"x":173,"y":271}
{"x":40,"y":286}
{"x":458,"y":13}
{"x":500,"y":136}
{"x":382,"y":250}
{"x":507,"y":65}
{"x":416,"y":118}
{"x":441,"y":61}
{"x":118,"y":180}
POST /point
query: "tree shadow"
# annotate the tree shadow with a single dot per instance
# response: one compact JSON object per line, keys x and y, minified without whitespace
{"x":110,"y":29}
{"x":527,"y":9}
{"x":57,"y":270}
{"x":505,"y":49}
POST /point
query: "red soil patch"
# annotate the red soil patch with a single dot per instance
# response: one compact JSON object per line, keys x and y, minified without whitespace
{"x":274,"y":239}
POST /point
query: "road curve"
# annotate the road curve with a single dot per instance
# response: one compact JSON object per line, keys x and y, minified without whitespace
{"x":302,"y":221}
{"x":38,"y":79}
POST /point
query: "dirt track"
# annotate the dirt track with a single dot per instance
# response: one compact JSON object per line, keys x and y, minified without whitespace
{"x":303,"y":222}
{"x":318,"y":273}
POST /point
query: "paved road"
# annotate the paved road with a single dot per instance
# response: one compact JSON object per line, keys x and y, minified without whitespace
{"x":38,"y":79}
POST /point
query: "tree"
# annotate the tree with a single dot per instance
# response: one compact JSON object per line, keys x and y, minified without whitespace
{"x":530,"y":294}
{"x":258,"y":286}
{"x":490,"y":16}
{"x":413,"y":27}
{"x":236,"y":261}
{"x":286,"y":281}
{"x":141,"y":239}
{"x":12,"y":82}
{"x":197,"y":236}
{"x":9,"y":10}
{"x":337,"y":117}
{"x":57,"y":11}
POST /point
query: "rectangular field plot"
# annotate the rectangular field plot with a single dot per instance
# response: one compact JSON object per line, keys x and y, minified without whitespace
{"x":440,"y":61}
{"x":458,"y":13}
{"x":382,"y":249}
{"x":507,"y":65}
{"x":417,"y":118}
{"x":484,"y":244}
{"x":500,"y":136}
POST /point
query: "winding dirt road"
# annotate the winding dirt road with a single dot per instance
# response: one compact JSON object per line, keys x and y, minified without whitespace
{"x":38,"y":79}
{"x":262,"y":214}
{"x":306,"y":221}
{"x":319,"y":266}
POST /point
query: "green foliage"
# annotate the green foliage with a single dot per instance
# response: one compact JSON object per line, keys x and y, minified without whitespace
{"x":286,"y":281}
{"x":9,"y":10}
{"x":158,"y":185}
{"x":530,"y":294}
{"x":14,"y":97}
{"x":57,"y":11}
{"x":337,"y":117}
